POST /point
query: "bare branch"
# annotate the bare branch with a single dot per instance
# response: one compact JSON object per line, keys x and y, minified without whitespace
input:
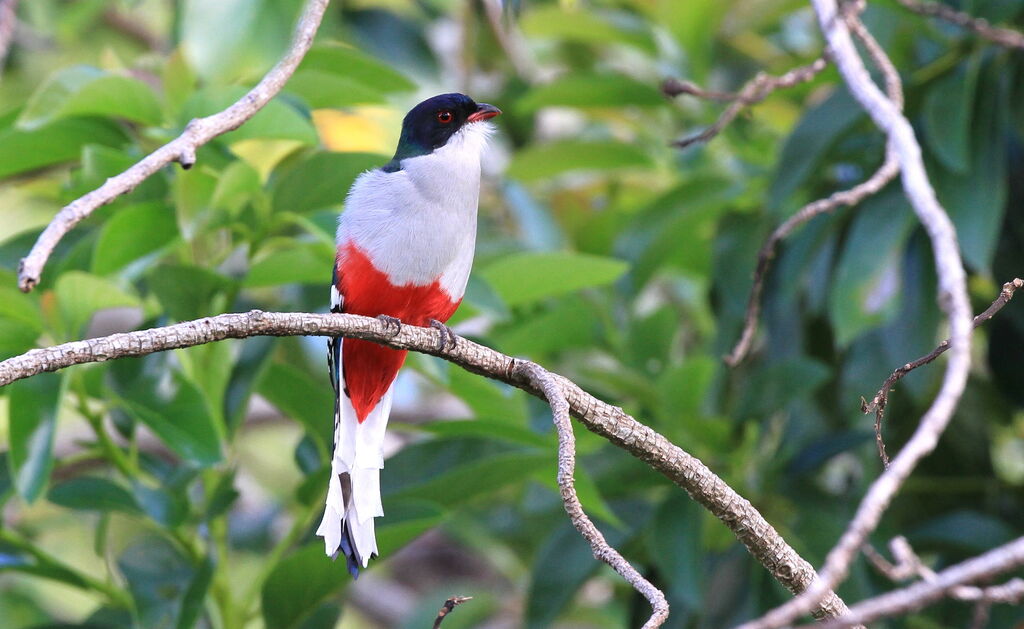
{"x":878,"y":403}
{"x":182,"y":149}
{"x":8,"y":20}
{"x":545,"y":382}
{"x":753,"y":92}
{"x":1002,"y":36}
{"x":943,"y":584}
{"x":611,"y":422}
{"x":447,"y":608}
{"x":952,"y":297}
{"x":847,"y":198}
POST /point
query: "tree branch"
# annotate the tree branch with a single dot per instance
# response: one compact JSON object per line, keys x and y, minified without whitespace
{"x":611,"y":422}
{"x":1002,"y":36}
{"x":878,"y":403}
{"x":753,"y":92}
{"x":945,"y":583}
{"x":182,"y":149}
{"x":447,"y":608}
{"x":548,"y":386}
{"x":848,"y":198}
{"x":953,"y":298}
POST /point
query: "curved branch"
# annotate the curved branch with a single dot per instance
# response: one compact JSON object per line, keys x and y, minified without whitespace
{"x":548,"y":386}
{"x":952,"y":297}
{"x":611,"y":422}
{"x":182,"y":149}
{"x":848,"y":198}
{"x":878,"y":403}
{"x":945,"y":583}
{"x":1002,"y":36}
{"x":447,"y":608}
{"x":753,"y":92}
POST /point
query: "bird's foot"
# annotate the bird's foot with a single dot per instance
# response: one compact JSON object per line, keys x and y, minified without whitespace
{"x":392,"y":325}
{"x":446,"y":338}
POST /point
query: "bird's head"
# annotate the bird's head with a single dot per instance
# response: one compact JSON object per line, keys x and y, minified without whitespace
{"x":431,"y":124}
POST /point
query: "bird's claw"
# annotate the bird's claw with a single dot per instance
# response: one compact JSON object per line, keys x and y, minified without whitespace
{"x":392,"y":325}
{"x":446,"y":338}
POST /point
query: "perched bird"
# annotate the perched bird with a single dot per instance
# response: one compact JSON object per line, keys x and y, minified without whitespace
{"x":405,"y":247}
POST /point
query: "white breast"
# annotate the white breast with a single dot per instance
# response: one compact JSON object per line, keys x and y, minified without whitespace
{"x":418,"y":224}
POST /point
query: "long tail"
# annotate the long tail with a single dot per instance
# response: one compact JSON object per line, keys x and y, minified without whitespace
{"x":353,"y":495}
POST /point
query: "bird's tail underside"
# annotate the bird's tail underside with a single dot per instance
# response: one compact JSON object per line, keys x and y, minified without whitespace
{"x":353,"y":495}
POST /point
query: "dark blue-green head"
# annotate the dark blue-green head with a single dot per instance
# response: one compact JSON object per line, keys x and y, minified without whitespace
{"x":429,"y":125}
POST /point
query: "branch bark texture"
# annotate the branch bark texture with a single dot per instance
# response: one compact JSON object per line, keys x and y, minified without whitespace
{"x":548,"y":386}
{"x":182,"y":149}
{"x":611,"y":422}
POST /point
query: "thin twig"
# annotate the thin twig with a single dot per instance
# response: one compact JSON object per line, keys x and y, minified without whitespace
{"x":447,"y":608}
{"x":182,"y":149}
{"x":8,"y":20}
{"x":753,"y":92}
{"x":951,"y":582}
{"x":878,"y":403}
{"x":610,"y":422}
{"x":1002,"y":36}
{"x":846,"y":198}
{"x":952,"y":296}
{"x":545,"y":382}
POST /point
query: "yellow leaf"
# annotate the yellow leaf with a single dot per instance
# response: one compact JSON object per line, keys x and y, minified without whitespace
{"x":359,"y":130}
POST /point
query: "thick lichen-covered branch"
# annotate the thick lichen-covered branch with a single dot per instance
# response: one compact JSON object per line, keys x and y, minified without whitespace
{"x":685,"y":470}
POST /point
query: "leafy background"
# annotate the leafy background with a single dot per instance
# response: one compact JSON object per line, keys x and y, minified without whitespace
{"x":181,"y":490}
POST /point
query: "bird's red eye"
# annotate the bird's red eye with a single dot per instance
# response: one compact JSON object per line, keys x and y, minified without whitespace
{"x":444,"y":116}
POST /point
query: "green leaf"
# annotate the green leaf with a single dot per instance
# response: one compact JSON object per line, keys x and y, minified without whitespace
{"x":547,"y":160}
{"x":195,"y":597}
{"x":309,"y":264}
{"x":488,"y":428}
{"x":563,"y":564}
{"x":468,"y":480}
{"x":404,"y":521}
{"x":278,"y":120}
{"x":132,"y":233}
{"x":593,"y":90}
{"x":568,"y":322}
{"x":297,"y":395}
{"x":523,"y":278}
{"x":320,"y":89}
{"x":321,"y":180}
{"x":164,"y":506}
{"x":174,"y":408}
{"x":91,"y":493}
{"x":59,"y":142}
{"x":583,"y":25}
{"x":33,"y":408}
{"x":866,"y":288}
{"x":487,"y":398}
{"x":806,"y":146}
{"x":80,"y":295}
{"x":186,"y":292}
{"x":297,"y":586}
{"x":356,"y":66}
{"x":976,"y":200}
{"x":158,"y":577}
{"x":88,"y":91}
{"x":947,"y":113}
{"x":674,"y":546}
{"x":20,"y":322}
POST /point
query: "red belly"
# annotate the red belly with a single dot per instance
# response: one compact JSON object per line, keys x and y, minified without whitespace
{"x":369,"y":368}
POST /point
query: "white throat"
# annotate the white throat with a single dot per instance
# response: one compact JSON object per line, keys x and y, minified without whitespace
{"x":418,"y":224}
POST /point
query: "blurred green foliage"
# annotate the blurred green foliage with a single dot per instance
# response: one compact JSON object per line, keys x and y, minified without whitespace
{"x":180,"y":490}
